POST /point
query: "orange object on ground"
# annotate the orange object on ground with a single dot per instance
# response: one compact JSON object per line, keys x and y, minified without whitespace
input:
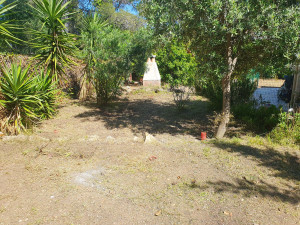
{"x":203,"y":136}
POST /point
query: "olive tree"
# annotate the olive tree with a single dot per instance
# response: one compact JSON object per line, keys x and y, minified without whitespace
{"x":230,"y":37}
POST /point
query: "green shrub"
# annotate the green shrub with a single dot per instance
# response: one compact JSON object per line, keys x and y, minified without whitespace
{"x":241,"y":91}
{"x":262,"y":118}
{"x":176,"y":64}
{"x":25,"y":97}
{"x":288,"y":129}
{"x":213,"y":91}
{"x":111,"y":55}
{"x":112,"y":64}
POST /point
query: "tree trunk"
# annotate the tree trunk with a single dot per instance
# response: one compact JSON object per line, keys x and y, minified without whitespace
{"x":83,"y":89}
{"x":226,"y":91}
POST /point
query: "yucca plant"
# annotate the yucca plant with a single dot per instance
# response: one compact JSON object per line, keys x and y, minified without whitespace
{"x":19,"y":99}
{"x":46,"y":91}
{"x":54,"y":44}
{"x":26,"y":97}
{"x":5,"y":26}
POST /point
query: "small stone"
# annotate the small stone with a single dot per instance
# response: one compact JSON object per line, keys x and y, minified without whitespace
{"x":136,"y":139}
{"x":93,"y":138}
{"x":149,"y":138}
{"x":110,"y":139}
{"x":158,"y":213}
{"x":127,"y":89}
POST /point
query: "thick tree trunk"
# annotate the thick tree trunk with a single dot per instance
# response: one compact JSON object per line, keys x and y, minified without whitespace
{"x":226,"y":92}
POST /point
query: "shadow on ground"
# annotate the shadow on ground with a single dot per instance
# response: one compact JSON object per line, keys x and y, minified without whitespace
{"x":284,"y":164}
{"x":152,"y":117}
{"x":251,"y":189}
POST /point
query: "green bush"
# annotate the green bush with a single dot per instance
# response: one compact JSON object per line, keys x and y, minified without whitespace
{"x":111,"y":54}
{"x":112,"y":64}
{"x":262,"y":118}
{"x":25,"y":97}
{"x":288,"y":129}
{"x":176,"y":64}
{"x":241,"y":91}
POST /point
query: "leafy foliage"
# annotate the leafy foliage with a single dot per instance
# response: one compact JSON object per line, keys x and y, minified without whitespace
{"x":118,"y":17}
{"x":55,"y":45}
{"x":46,"y":90}
{"x":26,"y":98}
{"x":176,"y":63}
{"x":5,"y":25}
{"x":288,"y":129}
{"x":112,"y":65}
{"x":242,"y":89}
{"x":140,"y":49}
{"x":110,"y":55}
{"x":229,"y":37}
{"x":258,"y":118}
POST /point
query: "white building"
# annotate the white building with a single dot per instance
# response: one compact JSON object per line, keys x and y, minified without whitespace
{"x":151,"y":76}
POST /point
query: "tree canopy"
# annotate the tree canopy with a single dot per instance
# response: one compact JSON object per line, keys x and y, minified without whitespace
{"x":229,"y":37}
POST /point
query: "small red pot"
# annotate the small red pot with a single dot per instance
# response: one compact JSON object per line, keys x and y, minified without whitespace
{"x":203,"y":136}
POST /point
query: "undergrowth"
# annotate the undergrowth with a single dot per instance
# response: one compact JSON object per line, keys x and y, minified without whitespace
{"x":287,"y":131}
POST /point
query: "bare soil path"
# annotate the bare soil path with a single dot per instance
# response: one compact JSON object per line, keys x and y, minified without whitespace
{"x":92,"y":166}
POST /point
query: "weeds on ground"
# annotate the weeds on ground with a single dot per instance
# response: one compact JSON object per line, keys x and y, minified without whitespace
{"x":261,"y":118}
{"x":287,"y":132}
{"x":181,"y":96}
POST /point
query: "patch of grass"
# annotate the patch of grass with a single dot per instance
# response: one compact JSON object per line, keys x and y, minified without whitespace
{"x":2,"y":209}
{"x":236,"y":140}
{"x":34,"y":210}
{"x":132,"y":166}
{"x":142,"y":91}
{"x":25,"y":152}
{"x":256,"y":141}
{"x":206,"y":152}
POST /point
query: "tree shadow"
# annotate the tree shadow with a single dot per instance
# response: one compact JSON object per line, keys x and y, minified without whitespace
{"x":285,"y":164}
{"x":153,"y":117}
{"x":248,"y":189}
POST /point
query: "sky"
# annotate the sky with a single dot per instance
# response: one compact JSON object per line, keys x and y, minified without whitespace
{"x":131,"y":9}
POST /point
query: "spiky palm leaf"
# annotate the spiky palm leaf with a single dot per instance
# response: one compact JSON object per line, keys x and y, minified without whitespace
{"x":25,"y":96}
{"x":55,"y":45}
{"x":17,"y":89}
{"x":6,"y":26}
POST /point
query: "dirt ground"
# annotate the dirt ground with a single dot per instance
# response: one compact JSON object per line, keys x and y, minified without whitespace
{"x":92,"y":165}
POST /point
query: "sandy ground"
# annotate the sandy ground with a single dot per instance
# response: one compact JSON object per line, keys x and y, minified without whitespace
{"x":92,"y":165}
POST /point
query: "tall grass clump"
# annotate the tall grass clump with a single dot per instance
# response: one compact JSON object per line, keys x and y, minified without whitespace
{"x":259,"y":118}
{"x":26,"y":97}
{"x":288,"y":129}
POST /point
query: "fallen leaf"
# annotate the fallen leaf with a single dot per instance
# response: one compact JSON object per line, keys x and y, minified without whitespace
{"x":158,"y":213}
{"x":152,"y":158}
{"x":227,"y":213}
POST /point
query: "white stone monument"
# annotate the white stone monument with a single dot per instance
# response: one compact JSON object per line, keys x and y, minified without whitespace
{"x":151,"y":76}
